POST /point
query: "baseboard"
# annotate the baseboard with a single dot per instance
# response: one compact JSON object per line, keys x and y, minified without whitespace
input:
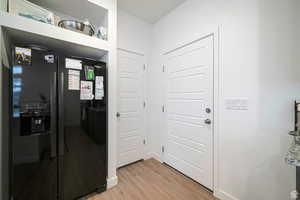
{"x":147,"y":155}
{"x":221,"y":195}
{"x":155,"y":156}
{"x":224,"y":196}
{"x":111,"y":182}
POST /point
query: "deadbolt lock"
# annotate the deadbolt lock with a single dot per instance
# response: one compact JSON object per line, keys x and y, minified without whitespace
{"x":208,"y":110}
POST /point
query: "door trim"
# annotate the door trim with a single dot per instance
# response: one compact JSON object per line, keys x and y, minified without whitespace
{"x":130,"y":51}
{"x":216,"y":101}
{"x":145,"y":95}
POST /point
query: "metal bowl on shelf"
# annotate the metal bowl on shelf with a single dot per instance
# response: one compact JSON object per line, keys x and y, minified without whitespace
{"x":295,"y":133}
{"x":293,"y":155}
{"x":76,"y":26}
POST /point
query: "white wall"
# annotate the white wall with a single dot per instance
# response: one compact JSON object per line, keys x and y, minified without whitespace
{"x":134,"y":35}
{"x":3,"y":5}
{"x":257,"y":61}
{"x":112,"y":88}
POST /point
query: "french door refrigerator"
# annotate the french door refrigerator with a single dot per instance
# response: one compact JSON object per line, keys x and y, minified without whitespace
{"x":58,"y":139}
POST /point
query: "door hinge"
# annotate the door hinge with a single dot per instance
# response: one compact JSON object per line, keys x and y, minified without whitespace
{"x":144,"y":141}
{"x":164,"y":68}
{"x":163,"y":149}
{"x":144,"y":104}
{"x":163,"y":108}
{"x":144,"y":67}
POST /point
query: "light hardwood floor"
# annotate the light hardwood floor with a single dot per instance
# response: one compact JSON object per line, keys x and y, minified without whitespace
{"x":151,"y":180}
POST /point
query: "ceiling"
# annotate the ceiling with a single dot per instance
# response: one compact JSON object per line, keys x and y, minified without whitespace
{"x":149,"y":10}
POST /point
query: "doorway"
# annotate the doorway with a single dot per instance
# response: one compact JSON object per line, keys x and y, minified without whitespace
{"x":188,"y":143}
{"x":131,"y":107}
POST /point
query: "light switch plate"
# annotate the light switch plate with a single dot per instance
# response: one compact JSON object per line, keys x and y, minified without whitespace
{"x":237,"y":104}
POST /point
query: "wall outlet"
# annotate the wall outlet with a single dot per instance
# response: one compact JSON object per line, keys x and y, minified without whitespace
{"x":294,"y":195}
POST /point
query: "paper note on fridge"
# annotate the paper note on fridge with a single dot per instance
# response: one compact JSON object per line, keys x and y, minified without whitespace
{"x":99,"y":87}
{"x":73,"y":64}
{"x":73,"y":79}
{"x":86,"y":90}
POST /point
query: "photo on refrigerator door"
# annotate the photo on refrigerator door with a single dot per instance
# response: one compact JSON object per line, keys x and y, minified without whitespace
{"x":23,"y":56}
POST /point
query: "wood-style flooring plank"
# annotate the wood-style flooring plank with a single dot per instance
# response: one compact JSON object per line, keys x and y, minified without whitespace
{"x":151,"y":180}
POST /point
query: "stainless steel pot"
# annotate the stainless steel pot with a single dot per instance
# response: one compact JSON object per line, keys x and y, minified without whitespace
{"x":85,"y":28}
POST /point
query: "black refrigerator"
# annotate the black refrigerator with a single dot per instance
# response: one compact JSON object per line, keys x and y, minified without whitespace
{"x":58,"y":135}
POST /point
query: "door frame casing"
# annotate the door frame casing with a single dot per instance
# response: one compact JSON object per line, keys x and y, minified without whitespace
{"x":144,"y":96}
{"x":216,"y":102}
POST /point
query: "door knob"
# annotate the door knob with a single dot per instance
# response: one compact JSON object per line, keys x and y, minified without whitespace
{"x":118,"y":114}
{"x":207,"y":121}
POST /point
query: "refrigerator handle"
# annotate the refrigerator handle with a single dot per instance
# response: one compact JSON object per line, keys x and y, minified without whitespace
{"x":61,"y":130}
{"x":53,"y":119}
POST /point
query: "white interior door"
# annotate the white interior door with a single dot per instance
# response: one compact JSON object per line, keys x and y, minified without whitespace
{"x":130,"y":107}
{"x":189,"y":111}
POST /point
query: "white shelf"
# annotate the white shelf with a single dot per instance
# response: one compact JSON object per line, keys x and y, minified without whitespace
{"x":80,"y":10}
{"x":50,"y":31}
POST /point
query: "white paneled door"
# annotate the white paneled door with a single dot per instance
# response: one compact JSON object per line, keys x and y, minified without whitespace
{"x":189,"y":111}
{"x":131,"y":106}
